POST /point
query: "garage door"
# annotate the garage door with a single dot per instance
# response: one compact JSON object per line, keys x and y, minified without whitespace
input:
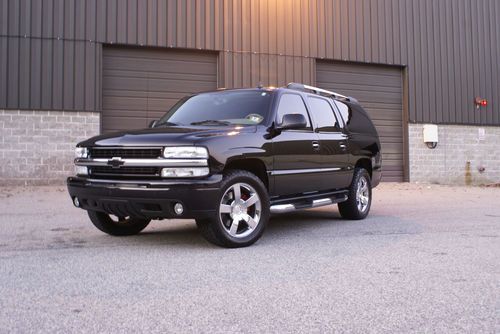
{"x":139,"y":85}
{"x":379,"y":89}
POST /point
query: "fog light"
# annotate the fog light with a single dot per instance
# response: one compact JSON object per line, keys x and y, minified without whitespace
{"x":76,"y":202}
{"x":81,"y":170}
{"x":178,"y":208}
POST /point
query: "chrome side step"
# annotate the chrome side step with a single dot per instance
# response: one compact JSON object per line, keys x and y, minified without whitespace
{"x":282,"y":208}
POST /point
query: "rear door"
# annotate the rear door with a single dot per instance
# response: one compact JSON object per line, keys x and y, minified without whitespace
{"x":296,"y":152}
{"x":336,"y":171}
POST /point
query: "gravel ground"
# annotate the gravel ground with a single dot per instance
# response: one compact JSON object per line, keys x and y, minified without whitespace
{"x":427,"y":259}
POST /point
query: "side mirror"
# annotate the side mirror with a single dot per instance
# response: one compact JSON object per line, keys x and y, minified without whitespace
{"x":292,"y":121}
{"x":153,"y":123}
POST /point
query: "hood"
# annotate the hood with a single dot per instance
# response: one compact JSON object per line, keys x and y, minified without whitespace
{"x":165,"y":136}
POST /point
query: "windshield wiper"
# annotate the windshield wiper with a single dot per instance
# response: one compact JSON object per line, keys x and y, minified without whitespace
{"x":211,"y":122}
{"x":166,"y":124}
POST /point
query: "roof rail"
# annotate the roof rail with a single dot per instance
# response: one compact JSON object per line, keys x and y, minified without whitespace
{"x":315,"y":90}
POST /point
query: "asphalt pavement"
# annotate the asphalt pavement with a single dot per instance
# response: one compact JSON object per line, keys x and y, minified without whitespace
{"x":426,"y":260}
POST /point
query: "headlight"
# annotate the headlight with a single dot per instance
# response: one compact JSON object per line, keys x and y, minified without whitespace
{"x":81,"y":170}
{"x":185,"y":172}
{"x":81,"y":152}
{"x":185,"y":152}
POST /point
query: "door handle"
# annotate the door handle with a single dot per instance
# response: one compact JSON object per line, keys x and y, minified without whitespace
{"x":343,"y":146}
{"x":315,"y":145}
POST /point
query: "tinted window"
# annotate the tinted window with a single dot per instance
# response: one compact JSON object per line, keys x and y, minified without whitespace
{"x":231,"y":107}
{"x":356,"y":119}
{"x":292,"y":104}
{"x":343,"y":109}
{"x":323,"y":115}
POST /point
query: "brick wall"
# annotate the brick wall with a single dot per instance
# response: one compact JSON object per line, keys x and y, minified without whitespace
{"x":37,"y":147}
{"x":447,"y":163}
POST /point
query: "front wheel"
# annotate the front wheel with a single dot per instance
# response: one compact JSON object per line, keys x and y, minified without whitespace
{"x":359,"y":199}
{"x":242,"y":212}
{"x":117,"y":226}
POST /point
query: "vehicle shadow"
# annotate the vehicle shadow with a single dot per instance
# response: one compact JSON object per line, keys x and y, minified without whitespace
{"x":172,"y":232}
{"x":303,"y":218}
{"x":183,"y":233}
{"x":313,"y":219}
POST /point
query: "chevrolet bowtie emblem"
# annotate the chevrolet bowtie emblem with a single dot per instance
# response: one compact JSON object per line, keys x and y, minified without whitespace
{"x":115,"y":162}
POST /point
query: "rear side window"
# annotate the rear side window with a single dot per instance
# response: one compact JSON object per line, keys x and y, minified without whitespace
{"x":344,"y":111}
{"x":356,"y":120}
{"x":292,"y":104}
{"x":323,"y":115}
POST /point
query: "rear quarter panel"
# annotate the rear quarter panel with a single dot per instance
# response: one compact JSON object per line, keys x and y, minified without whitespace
{"x":364,"y":141}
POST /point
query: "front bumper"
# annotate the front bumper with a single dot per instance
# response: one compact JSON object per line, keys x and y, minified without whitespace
{"x":147,"y":199}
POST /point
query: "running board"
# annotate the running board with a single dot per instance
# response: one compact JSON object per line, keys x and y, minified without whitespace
{"x":314,"y":203}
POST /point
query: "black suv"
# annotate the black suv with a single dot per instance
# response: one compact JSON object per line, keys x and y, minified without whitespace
{"x":229,"y":159}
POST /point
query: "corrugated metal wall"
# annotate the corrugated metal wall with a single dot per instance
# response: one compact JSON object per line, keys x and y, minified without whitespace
{"x":47,"y":62}
{"x":451,"y":47}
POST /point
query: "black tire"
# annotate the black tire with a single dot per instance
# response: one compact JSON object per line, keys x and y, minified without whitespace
{"x":120,"y":227}
{"x":351,"y":209}
{"x":216,"y":229}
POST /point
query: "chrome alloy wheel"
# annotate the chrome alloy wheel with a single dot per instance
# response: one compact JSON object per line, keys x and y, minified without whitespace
{"x":240,"y":210}
{"x":362,"y":194}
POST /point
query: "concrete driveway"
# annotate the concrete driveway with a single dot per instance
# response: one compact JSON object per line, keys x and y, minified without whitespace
{"x":426,"y":260}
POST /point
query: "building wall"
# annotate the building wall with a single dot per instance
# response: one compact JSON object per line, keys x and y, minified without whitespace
{"x":51,"y":61}
{"x":50,"y":50}
{"x":461,"y":156}
{"x":37,"y":147}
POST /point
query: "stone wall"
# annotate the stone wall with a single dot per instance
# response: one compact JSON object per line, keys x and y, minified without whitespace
{"x":458,"y":145}
{"x":37,"y":147}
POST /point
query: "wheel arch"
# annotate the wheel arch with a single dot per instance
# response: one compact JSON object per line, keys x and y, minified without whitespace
{"x":366,"y":164}
{"x":252,"y":165}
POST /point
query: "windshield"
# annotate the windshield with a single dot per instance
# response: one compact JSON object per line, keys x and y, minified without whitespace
{"x":220,"y":108}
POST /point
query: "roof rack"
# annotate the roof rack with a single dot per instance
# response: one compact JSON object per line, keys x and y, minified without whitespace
{"x":316,"y":90}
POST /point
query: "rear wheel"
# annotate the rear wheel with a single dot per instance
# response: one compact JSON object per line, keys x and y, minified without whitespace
{"x":117,"y":226}
{"x":242,"y":213}
{"x":359,"y":199}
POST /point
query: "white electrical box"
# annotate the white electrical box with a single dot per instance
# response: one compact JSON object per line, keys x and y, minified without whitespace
{"x":481,"y":135}
{"x":430,"y":133}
